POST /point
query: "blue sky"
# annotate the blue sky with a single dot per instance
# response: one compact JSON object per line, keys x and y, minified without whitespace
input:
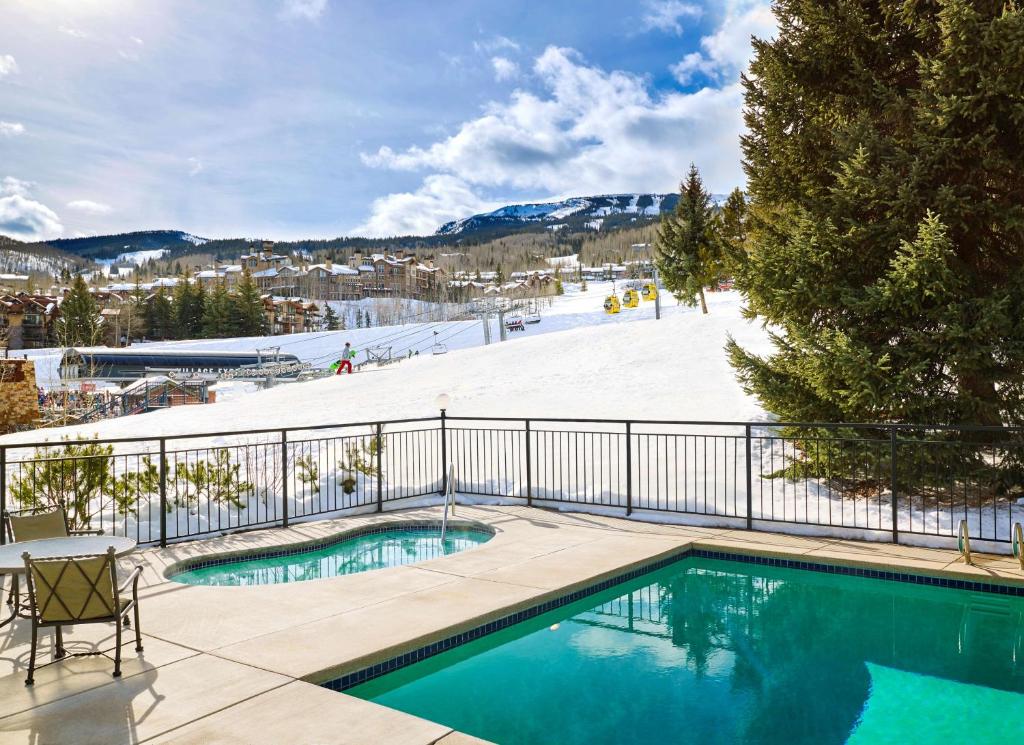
{"x":318,"y":118}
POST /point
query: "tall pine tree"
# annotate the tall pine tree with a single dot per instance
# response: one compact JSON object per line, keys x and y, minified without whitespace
{"x":79,"y":321}
{"x":251,"y":319}
{"x":160,"y":316}
{"x":884,"y":160}
{"x":688,"y":251}
{"x":189,"y":299}
{"x":732,"y":229}
{"x":217,"y":313}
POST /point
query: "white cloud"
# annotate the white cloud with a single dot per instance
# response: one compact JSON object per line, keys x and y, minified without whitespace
{"x":726,"y":52}
{"x":90,"y":207}
{"x":195,"y":166}
{"x":137,"y":40}
{"x":128,"y":54}
{"x":309,"y":10}
{"x":11,"y":129}
{"x":664,"y":15}
{"x":504,"y":68}
{"x":23,"y":217}
{"x":495,"y":44}
{"x":15,"y":186}
{"x":588,"y":132}
{"x":8,"y":65}
{"x":75,"y":32}
{"x":440,"y":198}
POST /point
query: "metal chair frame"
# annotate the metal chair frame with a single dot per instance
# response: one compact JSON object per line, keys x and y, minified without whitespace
{"x":13,"y":597}
{"x":118,"y":612}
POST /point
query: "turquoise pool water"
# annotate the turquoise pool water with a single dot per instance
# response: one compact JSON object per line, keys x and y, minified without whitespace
{"x":709,"y":651}
{"x":359,"y":554}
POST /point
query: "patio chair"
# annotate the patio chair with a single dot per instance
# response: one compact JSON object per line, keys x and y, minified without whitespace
{"x":34,"y":524}
{"x":74,"y":590}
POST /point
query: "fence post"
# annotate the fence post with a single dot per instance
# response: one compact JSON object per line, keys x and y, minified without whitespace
{"x":444,"y":453}
{"x":380,"y":469}
{"x":750,"y":485}
{"x":629,"y":469}
{"x":892,"y":486}
{"x":3,"y":491}
{"x":163,"y":493}
{"x":284,"y":478}
{"x":529,"y":476}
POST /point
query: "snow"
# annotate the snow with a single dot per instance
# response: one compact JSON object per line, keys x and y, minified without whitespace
{"x":578,"y":363}
{"x":595,"y":224}
{"x":622,"y":365}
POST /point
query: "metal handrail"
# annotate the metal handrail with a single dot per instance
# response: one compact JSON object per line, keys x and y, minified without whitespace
{"x":1017,"y":542}
{"x":963,"y":541}
{"x":449,"y":491}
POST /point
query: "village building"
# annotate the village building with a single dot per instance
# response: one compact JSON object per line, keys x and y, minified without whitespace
{"x":291,"y":315}
{"x":27,"y":321}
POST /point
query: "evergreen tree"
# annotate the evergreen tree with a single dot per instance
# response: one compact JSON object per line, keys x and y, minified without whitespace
{"x":887,"y":222}
{"x":188,"y":310}
{"x":331,"y":320}
{"x":359,"y":319}
{"x":217,"y":313}
{"x":732,"y":229}
{"x":160,"y":316}
{"x":79,"y":320}
{"x":251,"y":319}
{"x":688,"y":249}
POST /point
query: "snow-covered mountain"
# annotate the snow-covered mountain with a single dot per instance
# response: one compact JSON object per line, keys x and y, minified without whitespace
{"x":578,"y":213}
{"x":136,"y":244}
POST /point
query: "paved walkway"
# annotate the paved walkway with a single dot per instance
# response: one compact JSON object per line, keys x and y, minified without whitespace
{"x":240,"y":665}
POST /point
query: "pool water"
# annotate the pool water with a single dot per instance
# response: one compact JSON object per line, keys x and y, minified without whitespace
{"x":711,"y":651}
{"x":362,"y":553}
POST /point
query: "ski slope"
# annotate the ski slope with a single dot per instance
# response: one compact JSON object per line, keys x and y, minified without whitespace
{"x":578,"y":362}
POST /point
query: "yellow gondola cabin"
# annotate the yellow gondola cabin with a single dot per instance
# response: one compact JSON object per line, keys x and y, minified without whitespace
{"x":611,"y":305}
{"x":649,"y":291}
{"x":630,"y":298}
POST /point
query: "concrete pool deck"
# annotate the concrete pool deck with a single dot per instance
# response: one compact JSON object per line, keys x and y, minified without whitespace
{"x":240,"y":665}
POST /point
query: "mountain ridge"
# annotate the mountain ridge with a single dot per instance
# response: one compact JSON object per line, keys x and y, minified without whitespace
{"x":601,"y":211}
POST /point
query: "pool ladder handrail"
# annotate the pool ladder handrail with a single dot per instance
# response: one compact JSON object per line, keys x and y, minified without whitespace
{"x":449,"y":495}
{"x":963,"y":541}
{"x":1017,"y":542}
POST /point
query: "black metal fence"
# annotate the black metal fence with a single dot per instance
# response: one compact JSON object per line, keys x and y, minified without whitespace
{"x":856,"y":480}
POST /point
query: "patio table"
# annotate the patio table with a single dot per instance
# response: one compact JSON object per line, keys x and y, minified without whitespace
{"x":50,"y":548}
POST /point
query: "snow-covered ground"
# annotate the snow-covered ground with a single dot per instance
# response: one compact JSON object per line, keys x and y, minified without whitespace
{"x":578,"y":363}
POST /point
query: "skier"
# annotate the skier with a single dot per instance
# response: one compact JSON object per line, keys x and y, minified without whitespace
{"x":347,"y":355}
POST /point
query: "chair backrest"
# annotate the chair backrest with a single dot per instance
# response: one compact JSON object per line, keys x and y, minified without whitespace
{"x":73,"y":588}
{"x":40,"y":525}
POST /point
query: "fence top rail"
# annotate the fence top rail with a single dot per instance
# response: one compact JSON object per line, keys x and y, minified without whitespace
{"x":711,"y":423}
{"x":892,"y":426}
{"x":200,"y":435}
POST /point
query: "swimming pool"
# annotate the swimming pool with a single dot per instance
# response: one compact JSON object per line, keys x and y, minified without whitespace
{"x":378,"y":548}
{"x":717,"y":651}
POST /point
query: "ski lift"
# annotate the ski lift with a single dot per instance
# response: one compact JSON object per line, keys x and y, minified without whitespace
{"x":514,"y":323}
{"x":438,"y":347}
{"x":630,"y":298}
{"x":380,"y":355}
{"x":532,"y":313}
{"x":649,"y":291}
{"x":611,"y":304}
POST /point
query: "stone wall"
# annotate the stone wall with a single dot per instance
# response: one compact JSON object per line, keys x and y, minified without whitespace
{"x":19,"y":402}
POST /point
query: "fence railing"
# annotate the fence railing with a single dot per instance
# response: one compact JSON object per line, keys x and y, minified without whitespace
{"x":879,"y":481}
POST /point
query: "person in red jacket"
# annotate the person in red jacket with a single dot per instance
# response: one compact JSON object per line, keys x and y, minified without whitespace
{"x":347,"y":355}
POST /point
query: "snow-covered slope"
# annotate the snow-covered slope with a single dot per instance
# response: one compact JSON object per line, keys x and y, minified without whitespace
{"x":577,"y":212}
{"x":587,"y":365}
